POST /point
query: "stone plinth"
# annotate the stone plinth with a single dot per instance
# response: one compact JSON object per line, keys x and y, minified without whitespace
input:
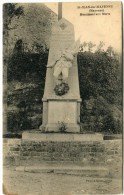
{"x":66,"y":168}
{"x":61,"y":137}
{"x":62,"y":111}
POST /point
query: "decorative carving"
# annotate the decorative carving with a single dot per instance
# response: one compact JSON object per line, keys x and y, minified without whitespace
{"x":63,"y":61}
{"x":63,"y":26}
{"x":61,"y":89}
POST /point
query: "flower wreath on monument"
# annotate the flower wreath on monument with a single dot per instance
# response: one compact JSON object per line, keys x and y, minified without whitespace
{"x":61,"y":89}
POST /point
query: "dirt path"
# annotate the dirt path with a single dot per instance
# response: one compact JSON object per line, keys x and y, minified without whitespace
{"x":24,"y":183}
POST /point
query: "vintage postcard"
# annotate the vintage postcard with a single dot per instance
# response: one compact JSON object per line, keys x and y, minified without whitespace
{"x":62,"y":98}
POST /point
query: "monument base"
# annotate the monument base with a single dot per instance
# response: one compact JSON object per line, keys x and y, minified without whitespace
{"x":61,"y":137}
{"x":61,"y":115}
{"x":69,"y":168}
{"x":74,"y":128}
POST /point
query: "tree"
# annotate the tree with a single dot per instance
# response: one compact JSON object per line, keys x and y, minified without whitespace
{"x":110,"y":51}
{"x":115,"y":55}
{"x":82,"y":46}
{"x":10,"y":10}
{"x":100,"y":79}
{"x":90,"y":46}
{"x":100,"y":46}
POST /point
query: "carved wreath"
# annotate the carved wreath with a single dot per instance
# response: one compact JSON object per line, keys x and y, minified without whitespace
{"x":61,"y":89}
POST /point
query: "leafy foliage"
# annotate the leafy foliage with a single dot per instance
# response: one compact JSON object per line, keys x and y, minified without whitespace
{"x":82,"y":46}
{"x":90,"y":46}
{"x":26,"y":67}
{"x":99,"y":75}
{"x":100,"y":46}
{"x":18,"y":121}
{"x":10,"y":10}
{"x":62,"y":126}
{"x":100,"y":81}
{"x":23,"y":65}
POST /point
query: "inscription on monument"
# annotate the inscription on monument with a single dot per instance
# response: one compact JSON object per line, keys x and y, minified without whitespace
{"x":64,"y":112}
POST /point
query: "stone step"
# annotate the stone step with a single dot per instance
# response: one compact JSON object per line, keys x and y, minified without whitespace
{"x":66,"y":168}
{"x":27,"y":163}
{"x":59,"y":137}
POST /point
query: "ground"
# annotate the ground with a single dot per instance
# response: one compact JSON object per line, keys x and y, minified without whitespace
{"x":25,"y":183}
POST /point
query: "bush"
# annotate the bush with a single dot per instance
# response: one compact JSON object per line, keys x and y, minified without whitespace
{"x":62,"y":126}
{"x":24,"y":65}
{"x":99,"y":74}
{"x":18,"y":121}
{"x":25,"y":68}
{"x":101,"y":90}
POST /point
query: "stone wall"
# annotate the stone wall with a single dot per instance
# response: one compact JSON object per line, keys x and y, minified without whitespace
{"x":101,"y":153}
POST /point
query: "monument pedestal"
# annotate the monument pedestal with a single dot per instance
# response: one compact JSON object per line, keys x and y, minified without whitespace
{"x":63,"y":109}
{"x":37,"y":136}
{"x":61,"y":112}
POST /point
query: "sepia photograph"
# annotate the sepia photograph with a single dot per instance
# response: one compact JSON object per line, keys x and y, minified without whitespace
{"x":62,"y":98}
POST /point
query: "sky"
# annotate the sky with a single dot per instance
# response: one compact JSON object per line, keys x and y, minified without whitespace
{"x":106,"y":28}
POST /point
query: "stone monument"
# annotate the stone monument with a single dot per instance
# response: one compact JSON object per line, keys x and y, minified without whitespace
{"x":61,"y":99}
